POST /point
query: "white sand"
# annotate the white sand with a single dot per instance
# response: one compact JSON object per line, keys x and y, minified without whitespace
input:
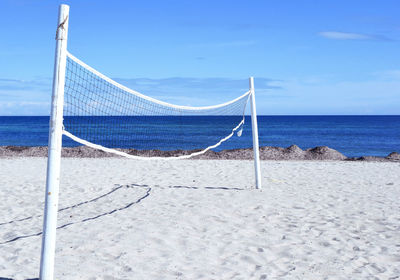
{"x":312,"y":220}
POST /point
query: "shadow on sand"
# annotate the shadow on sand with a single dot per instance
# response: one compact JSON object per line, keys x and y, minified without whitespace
{"x":188,"y":187}
{"x":82,"y":221}
{"x":119,"y":187}
{"x":5,"y":278}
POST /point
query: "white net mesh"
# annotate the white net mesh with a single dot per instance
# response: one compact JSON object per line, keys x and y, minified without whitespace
{"x":102,"y":114}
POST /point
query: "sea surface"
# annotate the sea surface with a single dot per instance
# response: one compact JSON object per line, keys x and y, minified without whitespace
{"x":351,"y":135}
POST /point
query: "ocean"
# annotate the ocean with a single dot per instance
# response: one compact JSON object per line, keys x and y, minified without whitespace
{"x":351,"y":135}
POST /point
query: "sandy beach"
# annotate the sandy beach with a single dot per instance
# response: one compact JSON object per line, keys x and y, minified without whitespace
{"x":202,"y":219}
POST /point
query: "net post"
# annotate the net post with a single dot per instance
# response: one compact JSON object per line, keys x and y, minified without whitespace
{"x":54,"y":152}
{"x":254,"y":127}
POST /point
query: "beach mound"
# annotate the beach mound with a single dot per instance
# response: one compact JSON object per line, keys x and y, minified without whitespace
{"x":323,"y":153}
{"x":394,"y":156}
{"x":368,"y":158}
{"x":295,"y":153}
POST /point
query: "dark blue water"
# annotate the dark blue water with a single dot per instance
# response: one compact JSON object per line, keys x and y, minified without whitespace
{"x":351,"y":135}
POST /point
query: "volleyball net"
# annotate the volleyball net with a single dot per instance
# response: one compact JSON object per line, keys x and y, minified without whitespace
{"x":103,"y":114}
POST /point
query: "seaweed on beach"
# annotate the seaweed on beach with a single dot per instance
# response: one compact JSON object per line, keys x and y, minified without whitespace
{"x":292,"y":152}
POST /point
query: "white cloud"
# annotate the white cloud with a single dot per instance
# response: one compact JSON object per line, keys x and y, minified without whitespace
{"x":336,"y":35}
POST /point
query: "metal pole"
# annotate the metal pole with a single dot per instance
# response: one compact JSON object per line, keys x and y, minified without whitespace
{"x":54,"y":154}
{"x":255,"y":135}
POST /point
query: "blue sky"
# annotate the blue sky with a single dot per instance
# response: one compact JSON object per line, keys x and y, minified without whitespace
{"x":307,"y":57}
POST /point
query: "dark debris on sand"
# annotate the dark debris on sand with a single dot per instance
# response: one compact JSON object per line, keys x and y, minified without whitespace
{"x":266,"y":153}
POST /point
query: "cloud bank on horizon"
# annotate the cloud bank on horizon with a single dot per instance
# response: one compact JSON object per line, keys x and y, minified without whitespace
{"x":333,"y":58}
{"x":280,"y":97}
